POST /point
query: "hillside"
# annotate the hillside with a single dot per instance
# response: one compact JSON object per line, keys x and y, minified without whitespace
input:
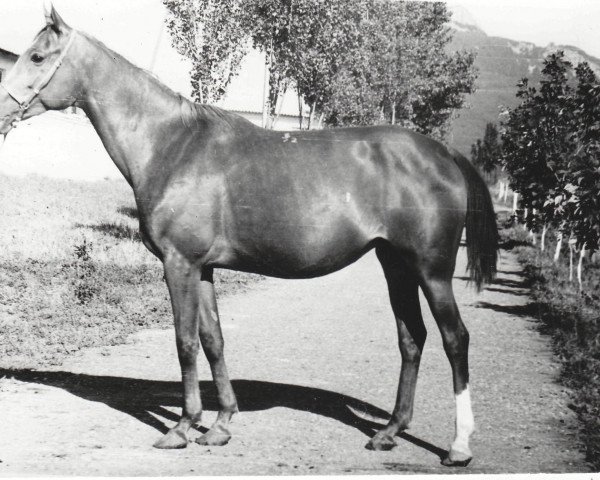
{"x":501,"y":63}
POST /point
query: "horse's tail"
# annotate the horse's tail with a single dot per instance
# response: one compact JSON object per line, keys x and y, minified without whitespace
{"x":481,"y":228}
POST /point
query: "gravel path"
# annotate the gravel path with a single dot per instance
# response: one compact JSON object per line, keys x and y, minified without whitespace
{"x":315,"y":364}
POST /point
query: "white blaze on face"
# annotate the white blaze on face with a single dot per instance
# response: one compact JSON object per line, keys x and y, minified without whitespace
{"x":464,"y":423}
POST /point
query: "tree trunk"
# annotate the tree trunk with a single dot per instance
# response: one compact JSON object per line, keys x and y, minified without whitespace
{"x":279,"y":106}
{"x":265,"y":112}
{"x":300,"y":111}
{"x":570,"y":261}
{"x":579,"y":266}
{"x":558,"y":247}
{"x":505,"y":192}
{"x":394,"y":113}
{"x":312,"y":114}
{"x":501,"y":191}
{"x":543,"y":239}
{"x":321,"y":120}
{"x":200,"y":91}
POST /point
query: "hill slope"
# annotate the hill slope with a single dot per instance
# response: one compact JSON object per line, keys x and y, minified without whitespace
{"x":501,"y":63}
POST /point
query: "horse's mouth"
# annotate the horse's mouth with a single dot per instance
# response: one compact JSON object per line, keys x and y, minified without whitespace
{"x":6,"y":125}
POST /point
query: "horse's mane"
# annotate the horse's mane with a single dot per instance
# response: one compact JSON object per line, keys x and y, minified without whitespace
{"x":199,"y":113}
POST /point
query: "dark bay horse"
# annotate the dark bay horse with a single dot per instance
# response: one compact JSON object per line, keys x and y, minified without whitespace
{"x":215,"y":191}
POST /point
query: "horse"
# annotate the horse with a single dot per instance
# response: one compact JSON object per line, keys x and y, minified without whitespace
{"x":215,"y":191}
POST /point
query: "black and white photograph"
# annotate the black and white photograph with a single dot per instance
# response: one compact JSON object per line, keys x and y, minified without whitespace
{"x":299,"y":238}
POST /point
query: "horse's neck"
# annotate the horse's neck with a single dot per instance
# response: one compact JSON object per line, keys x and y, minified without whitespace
{"x":128,"y":108}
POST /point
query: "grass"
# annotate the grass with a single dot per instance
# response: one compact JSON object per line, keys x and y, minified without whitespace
{"x":73,"y":272}
{"x":572,"y":318}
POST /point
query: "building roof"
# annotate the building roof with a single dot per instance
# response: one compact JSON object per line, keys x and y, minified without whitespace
{"x":8,"y":54}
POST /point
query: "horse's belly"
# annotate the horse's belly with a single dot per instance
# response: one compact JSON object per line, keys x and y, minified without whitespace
{"x":300,"y":250}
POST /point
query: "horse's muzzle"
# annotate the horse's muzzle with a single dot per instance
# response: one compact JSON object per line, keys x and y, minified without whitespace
{"x":10,"y":113}
{"x":6,"y":125}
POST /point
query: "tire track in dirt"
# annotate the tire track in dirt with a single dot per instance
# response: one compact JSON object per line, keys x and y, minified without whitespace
{"x":300,"y":352}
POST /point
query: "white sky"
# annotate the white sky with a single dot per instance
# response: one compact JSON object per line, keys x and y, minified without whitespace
{"x":132,"y":27}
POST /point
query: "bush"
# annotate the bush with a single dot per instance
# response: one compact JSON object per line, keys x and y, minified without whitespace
{"x":84,"y":271}
{"x":572,"y":318}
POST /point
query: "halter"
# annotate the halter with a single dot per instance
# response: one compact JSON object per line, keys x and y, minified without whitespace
{"x":24,"y":101}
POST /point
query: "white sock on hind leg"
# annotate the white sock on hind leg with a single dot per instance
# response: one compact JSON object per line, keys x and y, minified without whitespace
{"x":465,"y":424}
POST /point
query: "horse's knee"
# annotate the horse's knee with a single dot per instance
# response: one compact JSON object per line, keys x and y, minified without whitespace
{"x":213,"y":347}
{"x":187,"y":349}
{"x":411,"y":351}
{"x":212,"y":344}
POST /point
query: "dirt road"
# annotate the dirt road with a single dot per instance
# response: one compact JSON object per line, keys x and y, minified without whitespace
{"x":316,"y":365}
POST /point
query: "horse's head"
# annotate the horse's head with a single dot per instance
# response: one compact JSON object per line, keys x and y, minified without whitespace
{"x":38,"y":82}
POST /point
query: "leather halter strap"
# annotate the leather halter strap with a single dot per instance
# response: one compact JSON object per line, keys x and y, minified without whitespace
{"x":24,"y":101}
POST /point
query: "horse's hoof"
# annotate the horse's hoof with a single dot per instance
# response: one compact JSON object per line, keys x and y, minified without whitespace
{"x":381,"y":442}
{"x":173,"y":439}
{"x":457,"y":459}
{"x":214,"y":438}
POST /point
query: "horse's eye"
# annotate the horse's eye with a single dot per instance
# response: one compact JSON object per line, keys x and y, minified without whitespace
{"x":37,"y":58}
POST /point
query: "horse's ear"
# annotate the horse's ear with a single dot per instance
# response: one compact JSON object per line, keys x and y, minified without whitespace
{"x":48,"y":11}
{"x":53,"y":18}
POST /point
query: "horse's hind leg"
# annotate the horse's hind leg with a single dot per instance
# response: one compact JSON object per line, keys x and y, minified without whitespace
{"x":438,"y":291}
{"x":212,"y":343}
{"x":404,"y":296}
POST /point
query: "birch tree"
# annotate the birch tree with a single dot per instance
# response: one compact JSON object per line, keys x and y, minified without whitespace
{"x":209,"y":33}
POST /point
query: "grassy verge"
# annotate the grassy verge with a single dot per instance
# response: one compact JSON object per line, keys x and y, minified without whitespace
{"x":572,"y":318}
{"x":73,"y":273}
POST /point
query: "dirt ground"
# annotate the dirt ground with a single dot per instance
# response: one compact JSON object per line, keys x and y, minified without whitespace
{"x":315,"y":366}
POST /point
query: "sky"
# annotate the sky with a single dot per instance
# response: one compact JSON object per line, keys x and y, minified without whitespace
{"x":563,"y":22}
{"x":134,"y":28}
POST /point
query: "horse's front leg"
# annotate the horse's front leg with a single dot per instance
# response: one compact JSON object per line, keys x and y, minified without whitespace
{"x":212,"y":344}
{"x":183,"y":281}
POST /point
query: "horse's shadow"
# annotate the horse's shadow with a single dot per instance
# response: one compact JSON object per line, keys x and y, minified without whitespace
{"x":147,"y":399}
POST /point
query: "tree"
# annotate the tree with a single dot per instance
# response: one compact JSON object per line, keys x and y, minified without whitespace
{"x":584,"y":163}
{"x":536,"y":143}
{"x":352,"y":61}
{"x":304,"y":42}
{"x":551,"y":149}
{"x":328,"y":43}
{"x":486,"y":154}
{"x":402,"y":72}
{"x":209,"y":33}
